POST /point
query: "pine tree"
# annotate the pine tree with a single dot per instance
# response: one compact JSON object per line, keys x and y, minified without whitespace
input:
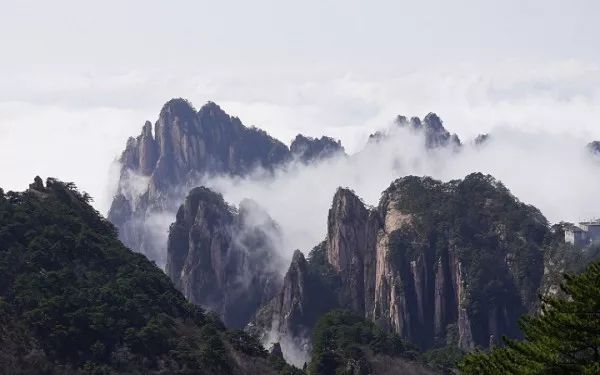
{"x":563,"y":339}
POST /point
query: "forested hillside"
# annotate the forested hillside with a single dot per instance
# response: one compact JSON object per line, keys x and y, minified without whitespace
{"x":73,"y":299}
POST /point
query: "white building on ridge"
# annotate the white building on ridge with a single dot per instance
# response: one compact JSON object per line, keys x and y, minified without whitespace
{"x":583,"y":234}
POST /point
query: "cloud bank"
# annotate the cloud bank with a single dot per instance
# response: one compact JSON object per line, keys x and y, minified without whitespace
{"x":553,"y":172}
{"x":73,"y":126}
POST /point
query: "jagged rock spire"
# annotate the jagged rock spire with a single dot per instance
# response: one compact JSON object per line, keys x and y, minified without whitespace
{"x":221,"y":261}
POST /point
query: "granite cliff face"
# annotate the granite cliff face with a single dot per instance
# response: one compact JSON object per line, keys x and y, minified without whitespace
{"x":163,"y":163}
{"x":224,"y":259}
{"x":189,"y":142}
{"x":438,"y":263}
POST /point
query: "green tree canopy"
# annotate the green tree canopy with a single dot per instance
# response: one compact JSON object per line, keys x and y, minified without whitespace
{"x":563,"y":339}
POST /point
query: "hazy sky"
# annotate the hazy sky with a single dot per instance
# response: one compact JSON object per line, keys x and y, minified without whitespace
{"x":79,"y":77}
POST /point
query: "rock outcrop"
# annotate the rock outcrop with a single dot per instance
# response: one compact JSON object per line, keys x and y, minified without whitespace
{"x":481,"y":140}
{"x":158,"y":168}
{"x":74,"y":300}
{"x":162,"y":164}
{"x":431,"y":128}
{"x":308,"y":149}
{"x":594,"y":147}
{"x":351,"y":234}
{"x":433,"y":261}
{"x":223,"y":259}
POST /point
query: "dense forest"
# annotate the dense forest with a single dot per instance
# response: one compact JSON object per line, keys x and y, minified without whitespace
{"x":74,"y":300}
{"x":564,"y":338}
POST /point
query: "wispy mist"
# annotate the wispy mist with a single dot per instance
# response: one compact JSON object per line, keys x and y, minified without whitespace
{"x":553,"y":172}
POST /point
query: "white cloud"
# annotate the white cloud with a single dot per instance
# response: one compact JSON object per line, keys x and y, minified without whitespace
{"x":76,"y":145}
{"x":73,"y":125}
{"x":552,"y":172}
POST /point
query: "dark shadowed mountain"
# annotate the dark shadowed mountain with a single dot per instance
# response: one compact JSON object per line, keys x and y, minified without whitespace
{"x":431,"y":127}
{"x":481,"y":139}
{"x":345,"y":342}
{"x":309,"y":149}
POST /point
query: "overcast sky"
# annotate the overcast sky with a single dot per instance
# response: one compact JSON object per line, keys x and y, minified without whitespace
{"x":79,"y":77}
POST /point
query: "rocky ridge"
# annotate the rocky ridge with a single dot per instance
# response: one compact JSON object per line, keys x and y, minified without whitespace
{"x":437,"y":263}
{"x":163,"y":163}
{"x":431,"y":127}
{"x":308,"y":149}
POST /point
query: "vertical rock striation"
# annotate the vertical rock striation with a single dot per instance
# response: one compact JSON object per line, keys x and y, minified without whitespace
{"x":222,"y":259}
{"x":160,"y":166}
{"x":435,"y":262}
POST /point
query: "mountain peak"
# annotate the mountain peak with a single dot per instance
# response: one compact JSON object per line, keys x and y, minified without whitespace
{"x":594,"y":147}
{"x":309,"y":148}
{"x":403,"y":121}
{"x":298,"y":257}
{"x":433,"y":121}
{"x":211,"y":246}
{"x":212,"y":109}
{"x":345,"y":195}
{"x":178,"y":107}
{"x":38,"y":184}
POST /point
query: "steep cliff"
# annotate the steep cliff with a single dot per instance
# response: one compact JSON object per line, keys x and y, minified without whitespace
{"x":434,"y":261}
{"x":160,"y":166}
{"x":223,"y":259}
{"x":189,"y":142}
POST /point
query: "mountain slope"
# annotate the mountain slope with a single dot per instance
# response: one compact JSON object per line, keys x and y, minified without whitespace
{"x":73,"y":299}
{"x":345,"y":342}
{"x":452,"y":263}
{"x":157,"y":169}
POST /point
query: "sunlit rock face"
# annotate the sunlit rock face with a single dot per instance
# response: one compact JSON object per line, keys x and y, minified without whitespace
{"x":436,"y":262}
{"x":223,"y":259}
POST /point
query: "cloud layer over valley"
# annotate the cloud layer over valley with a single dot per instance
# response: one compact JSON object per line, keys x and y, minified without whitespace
{"x":80,"y":129}
{"x":553,"y":172}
